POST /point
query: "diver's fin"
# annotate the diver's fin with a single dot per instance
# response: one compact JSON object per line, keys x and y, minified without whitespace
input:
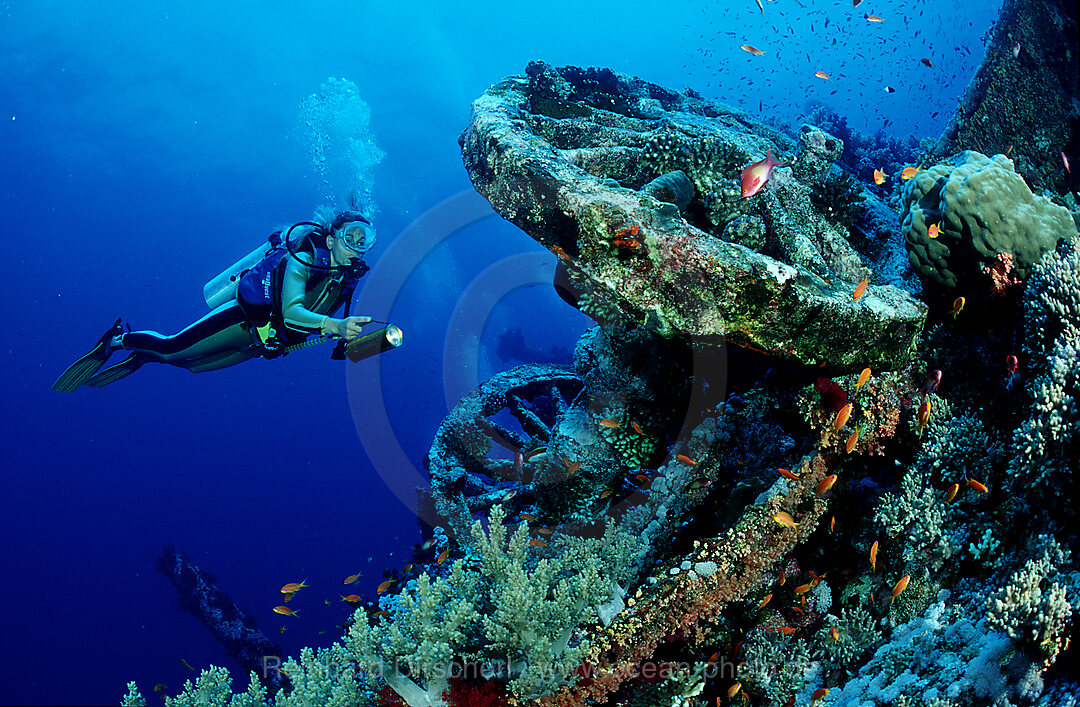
{"x":78,"y":372}
{"x":116,"y":371}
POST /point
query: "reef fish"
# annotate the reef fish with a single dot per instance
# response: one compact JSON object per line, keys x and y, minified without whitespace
{"x":926,"y":62}
{"x":293,"y":587}
{"x":909,"y":172}
{"x":351,"y":578}
{"x":873,"y":556}
{"x":860,"y":289}
{"x":784,"y":518}
{"x":285,"y":611}
{"x":874,"y":18}
{"x":384,"y":586}
{"x":951,"y":493}
{"x":610,"y":424}
{"x":822,"y":75}
{"x":820,"y":693}
{"x":978,"y":486}
{"x":933,"y":231}
{"x":879,"y":175}
{"x":958,"y":306}
{"x":863,"y":377}
{"x":900,"y":586}
{"x":733,"y":690}
{"x":924,"y":415}
{"x":1065,"y":161}
{"x":352,"y":598}
{"x":842,"y":417}
{"x":683,"y":459}
{"x":933,"y":380}
{"x":755,"y":176}
{"x":852,"y":440}
{"x":789,"y":475}
{"x":753,"y":50}
{"x":825,"y":484}
{"x":442,"y":556}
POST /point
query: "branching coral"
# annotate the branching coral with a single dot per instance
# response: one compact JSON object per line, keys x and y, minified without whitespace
{"x":916,"y":521}
{"x":839,"y":198}
{"x":1032,"y":610}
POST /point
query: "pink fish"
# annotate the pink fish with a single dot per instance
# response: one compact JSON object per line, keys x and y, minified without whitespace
{"x":933,"y":380}
{"x":1064,"y":161}
{"x":755,"y":176}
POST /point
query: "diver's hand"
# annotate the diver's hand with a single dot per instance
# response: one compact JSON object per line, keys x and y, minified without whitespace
{"x":350,"y":327}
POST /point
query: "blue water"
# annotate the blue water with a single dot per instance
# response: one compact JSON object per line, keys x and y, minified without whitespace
{"x":147,"y":145}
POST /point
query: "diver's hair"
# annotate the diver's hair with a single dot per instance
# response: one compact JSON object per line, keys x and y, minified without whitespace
{"x":324,"y":216}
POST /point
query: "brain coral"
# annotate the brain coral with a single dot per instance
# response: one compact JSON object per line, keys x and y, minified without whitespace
{"x":983,"y":208}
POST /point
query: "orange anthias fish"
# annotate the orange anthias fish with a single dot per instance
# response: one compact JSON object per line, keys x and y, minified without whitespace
{"x":765,"y":601}
{"x":754,"y":176}
{"x":293,"y":587}
{"x":834,"y":634}
{"x":819,"y":694}
{"x":842,"y":417}
{"x":873,"y":556}
{"x":289,"y":596}
{"x":874,"y":18}
{"x":442,"y":556}
{"x":909,"y":172}
{"x":924,"y":415}
{"x":822,"y":75}
{"x":732,"y":691}
{"x":636,"y":427}
{"x":958,"y":306}
{"x":978,"y":486}
{"x":352,"y":598}
{"x":879,"y":177}
{"x":899,"y":587}
{"x":951,"y":493}
{"x":683,"y":459}
{"x":784,"y":518}
{"x":610,"y":424}
{"x":351,"y":578}
{"x":384,"y":586}
{"x":536,"y":542}
{"x":863,"y":377}
{"x":852,"y":440}
{"x":825,"y":484}
{"x":286,"y":611}
{"x":788,"y":475}
{"x":753,"y":50}
{"x":860,"y":289}
{"x":933,"y":231}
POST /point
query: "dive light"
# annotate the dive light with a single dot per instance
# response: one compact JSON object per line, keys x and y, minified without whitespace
{"x":368,"y":345}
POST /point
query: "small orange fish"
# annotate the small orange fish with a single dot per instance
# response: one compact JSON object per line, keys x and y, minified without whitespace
{"x":873,"y":556}
{"x":529,"y":517}
{"x":286,"y":611}
{"x":293,"y":587}
{"x":537,"y":542}
{"x":822,"y":75}
{"x":958,"y":306}
{"x":682,"y":458}
{"x":352,"y":598}
{"x":386,"y":585}
{"x":804,"y":588}
{"x":442,"y":556}
{"x":562,"y":254}
{"x":732,"y":691}
{"x":351,"y":578}
{"x":789,"y":475}
{"x":637,"y":429}
{"x":571,"y":469}
{"x":978,"y":486}
{"x":899,"y":587}
{"x":909,"y":172}
{"x":782,"y":579}
{"x":380,"y":614}
{"x":819,"y":694}
{"x":606,"y":492}
{"x":784,"y":518}
{"x":860,"y":289}
{"x":753,"y":50}
{"x":874,"y":18}
{"x":852,"y":440}
{"x":289,"y":596}
{"x":933,"y":231}
{"x":825,"y":484}
{"x":187,"y":665}
{"x":863,"y":377}
{"x":756,"y":175}
{"x":765,"y":601}
{"x":610,"y":423}
{"x":842,"y":417}
{"x":924,"y":415}
{"x":832,"y":524}
{"x":786,"y":630}
{"x":834,"y":634}
{"x":951,"y":493}
{"x":926,"y":62}
{"x":1008,"y":150}
{"x":799,"y":609}
{"x":879,"y":177}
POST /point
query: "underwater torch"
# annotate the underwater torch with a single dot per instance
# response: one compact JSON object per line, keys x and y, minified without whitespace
{"x":368,"y":345}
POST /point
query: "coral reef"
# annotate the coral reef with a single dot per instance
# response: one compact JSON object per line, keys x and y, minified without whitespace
{"x":571,"y":178}
{"x":981,"y":208}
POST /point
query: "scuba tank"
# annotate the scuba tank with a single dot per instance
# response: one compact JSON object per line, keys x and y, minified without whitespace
{"x":223,"y":287}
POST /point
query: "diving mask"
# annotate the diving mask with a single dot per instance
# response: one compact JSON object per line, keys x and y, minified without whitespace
{"x":358,"y":236}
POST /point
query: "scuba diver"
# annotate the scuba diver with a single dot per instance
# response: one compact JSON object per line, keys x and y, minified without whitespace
{"x":266,"y":305}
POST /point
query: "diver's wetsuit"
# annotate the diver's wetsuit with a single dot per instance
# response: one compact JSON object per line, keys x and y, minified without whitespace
{"x":223,"y":338}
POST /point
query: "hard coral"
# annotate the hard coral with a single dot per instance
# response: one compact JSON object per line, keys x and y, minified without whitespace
{"x":839,"y":199}
{"x":983,"y":208}
{"x":833,"y":397}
